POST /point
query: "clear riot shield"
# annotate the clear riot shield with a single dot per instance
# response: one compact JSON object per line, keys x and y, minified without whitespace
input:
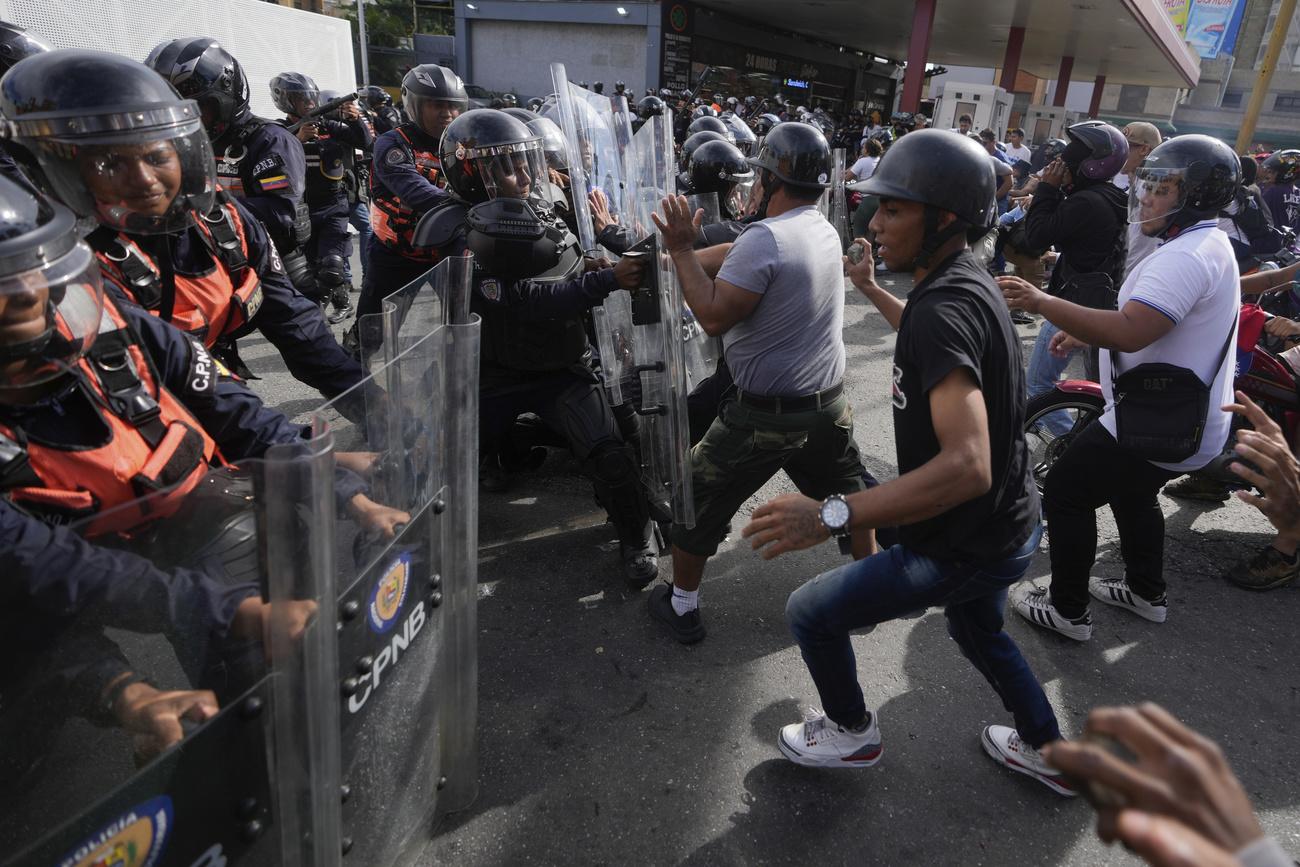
{"x":437,"y":297}
{"x":243,"y":769}
{"x":837,"y":211}
{"x":406,"y":602}
{"x":701,"y":352}
{"x":661,"y":323}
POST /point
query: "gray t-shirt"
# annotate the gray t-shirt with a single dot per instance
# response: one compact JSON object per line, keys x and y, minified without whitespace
{"x":793,"y":342}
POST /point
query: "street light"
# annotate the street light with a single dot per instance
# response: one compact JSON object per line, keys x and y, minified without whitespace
{"x":621,"y":11}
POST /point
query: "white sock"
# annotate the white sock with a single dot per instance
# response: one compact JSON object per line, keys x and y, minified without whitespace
{"x":685,"y":600}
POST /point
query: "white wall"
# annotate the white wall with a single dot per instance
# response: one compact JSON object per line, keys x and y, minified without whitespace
{"x":517,"y":55}
{"x":266,"y":39}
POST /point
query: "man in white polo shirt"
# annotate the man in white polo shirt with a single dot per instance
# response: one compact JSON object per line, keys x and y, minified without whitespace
{"x":1179,"y":307}
{"x":1016,"y":149}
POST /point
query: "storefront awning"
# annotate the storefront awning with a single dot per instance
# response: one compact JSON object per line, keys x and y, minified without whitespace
{"x":1128,"y":41}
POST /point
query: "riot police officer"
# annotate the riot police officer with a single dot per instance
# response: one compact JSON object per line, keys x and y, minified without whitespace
{"x":329,"y":145}
{"x":532,"y":288}
{"x":168,"y":239}
{"x":647,"y":107}
{"x":380,"y":104}
{"x":710,"y":123}
{"x":101,"y":403}
{"x":260,"y":162}
{"x":405,"y":183}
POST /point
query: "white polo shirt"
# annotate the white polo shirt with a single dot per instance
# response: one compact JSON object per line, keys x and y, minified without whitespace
{"x":1193,"y":280}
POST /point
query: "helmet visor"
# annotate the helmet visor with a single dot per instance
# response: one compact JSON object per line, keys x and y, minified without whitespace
{"x":146,"y":179}
{"x":49,"y":317}
{"x":514,"y":171}
{"x":1155,"y":195}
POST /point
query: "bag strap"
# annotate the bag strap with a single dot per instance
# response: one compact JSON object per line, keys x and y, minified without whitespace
{"x":1223,"y":354}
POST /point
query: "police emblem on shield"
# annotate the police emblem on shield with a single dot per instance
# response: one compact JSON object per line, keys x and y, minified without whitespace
{"x":388,"y":595}
{"x":134,"y":839}
{"x":491,"y":289}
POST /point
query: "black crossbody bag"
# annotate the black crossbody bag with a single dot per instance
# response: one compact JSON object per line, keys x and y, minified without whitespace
{"x":1161,"y":409}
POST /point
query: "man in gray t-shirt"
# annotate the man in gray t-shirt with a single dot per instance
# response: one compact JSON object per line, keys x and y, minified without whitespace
{"x":778,"y":302}
{"x":792,"y":343}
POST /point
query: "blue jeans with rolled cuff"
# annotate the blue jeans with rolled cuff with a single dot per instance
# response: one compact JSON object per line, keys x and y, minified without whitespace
{"x":897,"y":582}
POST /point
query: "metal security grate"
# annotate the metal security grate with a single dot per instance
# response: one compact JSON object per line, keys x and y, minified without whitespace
{"x":266,"y":38}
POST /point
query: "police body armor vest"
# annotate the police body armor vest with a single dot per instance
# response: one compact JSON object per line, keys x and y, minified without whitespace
{"x":154,"y":445}
{"x":209,"y":306}
{"x":328,"y":163}
{"x":393,"y":222}
{"x":538,"y":344}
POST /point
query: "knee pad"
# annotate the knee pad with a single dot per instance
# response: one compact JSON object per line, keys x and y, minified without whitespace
{"x":331,"y":272}
{"x":612,"y":464}
{"x":300,"y":275}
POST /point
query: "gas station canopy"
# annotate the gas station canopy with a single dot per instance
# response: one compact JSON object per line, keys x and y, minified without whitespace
{"x":1128,"y":41}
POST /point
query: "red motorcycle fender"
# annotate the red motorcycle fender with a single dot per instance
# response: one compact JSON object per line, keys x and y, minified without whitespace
{"x":1080,"y":386}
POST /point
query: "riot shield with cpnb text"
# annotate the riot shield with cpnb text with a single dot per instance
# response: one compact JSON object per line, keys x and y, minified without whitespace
{"x":405,"y":612}
{"x":243,"y":770}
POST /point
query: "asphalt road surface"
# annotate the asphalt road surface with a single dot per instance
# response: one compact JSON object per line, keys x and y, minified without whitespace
{"x":601,"y":741}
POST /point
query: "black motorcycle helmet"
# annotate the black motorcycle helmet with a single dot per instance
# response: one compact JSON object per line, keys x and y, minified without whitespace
{"x":741,"y":134}
{"x":694,"y":141}
{"x":716,"y":167}
{"x":100,"y":125}
{"x":375,"y":97}
{"x":943,"y":172}
{"x":1183,"y":181}
{"x":294,"y":94}
{"x":1285,"y":166}
{"x":709,"y":123}
{"x":49,"y":285}
{"x":535,"y":104}
{"x":1249,"y":169}
{"x":481,"y":147}
{"x":201,"y":70}
{"x":763,"y":125}
{"x":650,"y":106}
{"x":796,"y":154}
{"x":1048,"y":151}
{"x":619,"y":86}
{"x":429,"y":82}
{"x":16,"y":44}
{"x":1097,"y":151}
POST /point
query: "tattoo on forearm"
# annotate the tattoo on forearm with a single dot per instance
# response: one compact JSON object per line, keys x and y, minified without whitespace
{"x":807,"y":526}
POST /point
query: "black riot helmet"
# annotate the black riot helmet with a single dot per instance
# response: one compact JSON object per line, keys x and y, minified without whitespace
{"x":764,"y":123}
{"x":1181,"y":182}
{"x":294,"y":94}
{"x":430,"y":83}
{"x":943,"y":172}
{"x":201,"y":70}
{"x":620,"y":87}
{"x":1283,"y":165}
{"x":375,"y":97}
{"x":522,"y":115}
{"x":797,"y":154}
{"x":650,"y":106}
{"x":694,"y":141}
{"x":704,"y":111}
{"x":709,"y":123}
{"x":535,"y":104}
{"x":50,"y":289}
{"x":16,"y":44}
{"x":113,"y":139}
{"x":744,"y":137}
{"x":718,"y":167}
{"x":1048,"y":151}
{"x":598,"y":87}
{"x":487,"y":154}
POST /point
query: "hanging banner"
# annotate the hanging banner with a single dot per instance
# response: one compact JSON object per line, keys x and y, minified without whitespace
{"x":1212,"y":26}
{"x":1177,"y":12}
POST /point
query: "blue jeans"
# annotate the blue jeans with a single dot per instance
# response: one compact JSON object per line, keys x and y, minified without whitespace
{"x":896,"y":582}
{"x":359,"y":217}
{"x":1044,"y":371}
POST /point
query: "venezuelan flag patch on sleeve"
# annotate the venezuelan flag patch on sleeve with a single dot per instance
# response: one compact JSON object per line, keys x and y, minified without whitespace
{"x":274,"y":182}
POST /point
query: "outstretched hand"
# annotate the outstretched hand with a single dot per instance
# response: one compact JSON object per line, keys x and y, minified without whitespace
{"x":678,"y":226}
{"x":1276,"y":474}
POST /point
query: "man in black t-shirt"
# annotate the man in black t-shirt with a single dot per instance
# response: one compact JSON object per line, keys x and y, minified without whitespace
{"x":964,"y":501}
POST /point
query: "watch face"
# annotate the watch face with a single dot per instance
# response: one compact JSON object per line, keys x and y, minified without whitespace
{"x":835,"y":514}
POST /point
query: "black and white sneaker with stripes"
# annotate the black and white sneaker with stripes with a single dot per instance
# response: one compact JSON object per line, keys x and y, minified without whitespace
{"x":1115,"y":591}
{"x":1036,"y":606}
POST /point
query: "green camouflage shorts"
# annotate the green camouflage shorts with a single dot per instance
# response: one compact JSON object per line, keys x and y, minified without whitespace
{"x":745,"y":447}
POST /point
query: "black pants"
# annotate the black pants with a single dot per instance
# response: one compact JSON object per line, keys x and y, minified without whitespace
{"x":1095,"y":471}
{"x":388,"y":272}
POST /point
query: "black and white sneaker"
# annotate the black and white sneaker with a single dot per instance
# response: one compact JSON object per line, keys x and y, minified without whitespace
{"x":687,"y":628}
{"x":1115,"y":591}
{"x":1035,"y":606}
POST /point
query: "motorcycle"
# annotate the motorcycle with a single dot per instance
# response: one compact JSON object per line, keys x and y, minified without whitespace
{"x":1054,"y":418}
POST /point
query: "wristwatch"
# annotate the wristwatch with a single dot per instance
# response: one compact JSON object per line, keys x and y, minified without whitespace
{"x":835,"y":515}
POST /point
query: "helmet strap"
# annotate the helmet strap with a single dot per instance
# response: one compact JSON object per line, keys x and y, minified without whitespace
{"x":771,"y":183}
{"x":934,"y":237}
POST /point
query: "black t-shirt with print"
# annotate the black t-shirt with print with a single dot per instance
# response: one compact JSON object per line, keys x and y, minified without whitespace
{"x":954,"y":318}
